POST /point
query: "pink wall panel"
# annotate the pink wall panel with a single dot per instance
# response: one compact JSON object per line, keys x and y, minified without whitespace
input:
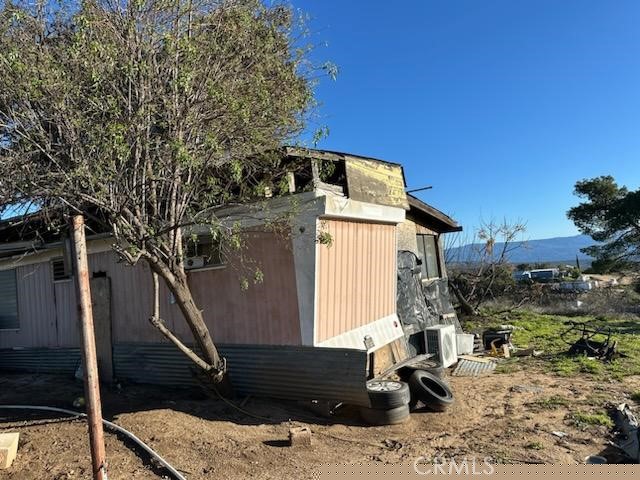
{"x":356,"y":276}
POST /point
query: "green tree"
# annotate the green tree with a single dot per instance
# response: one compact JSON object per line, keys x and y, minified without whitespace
{"x":610,"y":214}
{"x":148,"y":116}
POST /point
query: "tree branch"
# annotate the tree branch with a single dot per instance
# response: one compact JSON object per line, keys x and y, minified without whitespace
{"x":157,"y":322}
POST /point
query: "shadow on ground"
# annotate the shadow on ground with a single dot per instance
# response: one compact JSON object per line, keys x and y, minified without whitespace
{"x":61,"y":391}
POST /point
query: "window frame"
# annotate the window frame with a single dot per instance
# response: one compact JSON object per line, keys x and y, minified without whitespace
{"x":17,"y":303}
{"x":208,"y":240}
{"x":422,"y":244}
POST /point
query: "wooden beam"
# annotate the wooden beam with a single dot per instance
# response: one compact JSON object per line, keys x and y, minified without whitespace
{"x":91,"y":380}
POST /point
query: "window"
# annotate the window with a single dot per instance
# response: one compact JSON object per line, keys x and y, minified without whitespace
{"x":428,"y":248}
{"x":8,"y":301}
{"x":203,"y":252}
{"x":61,"y":270}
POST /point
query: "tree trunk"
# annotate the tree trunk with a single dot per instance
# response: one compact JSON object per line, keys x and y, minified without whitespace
{"x":464,"y":303}
{"x":193,"y":316}
{"x":195,"y":320}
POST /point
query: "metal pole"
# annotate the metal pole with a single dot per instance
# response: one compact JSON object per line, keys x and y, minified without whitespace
{"x":91,"y":382}
{"x":419,"y":189}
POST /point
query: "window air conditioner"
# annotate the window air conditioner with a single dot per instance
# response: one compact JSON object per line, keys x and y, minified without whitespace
{"x":194,"y":262}
{"x":441,"y":341}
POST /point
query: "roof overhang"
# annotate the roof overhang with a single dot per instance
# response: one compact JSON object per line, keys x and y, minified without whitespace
{"x":431,"y":217}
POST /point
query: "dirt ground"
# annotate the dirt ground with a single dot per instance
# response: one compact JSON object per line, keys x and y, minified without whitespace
{"x":508,"y":417}
{"x":621,"y":278}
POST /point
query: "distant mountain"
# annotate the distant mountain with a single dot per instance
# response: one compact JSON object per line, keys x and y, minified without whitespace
{"x":548,"y":250}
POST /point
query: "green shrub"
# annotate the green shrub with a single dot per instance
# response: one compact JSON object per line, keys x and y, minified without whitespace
{"x":583,"y":419}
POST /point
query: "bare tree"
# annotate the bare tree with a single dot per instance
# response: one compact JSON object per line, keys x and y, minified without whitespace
{"x":479,"y":267}
{"x":148,"y":117}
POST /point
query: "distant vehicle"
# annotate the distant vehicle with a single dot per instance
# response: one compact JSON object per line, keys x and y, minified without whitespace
{"x":537,"y":275}
{"x":522,"y":276}
{"x":545,"y":274}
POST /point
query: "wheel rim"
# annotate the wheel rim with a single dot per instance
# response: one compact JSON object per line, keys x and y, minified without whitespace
{"x":384,"y":386}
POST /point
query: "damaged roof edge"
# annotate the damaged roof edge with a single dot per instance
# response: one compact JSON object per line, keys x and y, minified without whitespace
{"x":445,"y":223}
{"x":330,"y":155}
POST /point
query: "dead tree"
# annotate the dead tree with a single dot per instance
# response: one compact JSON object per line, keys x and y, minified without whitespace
{"x":479,"y":268}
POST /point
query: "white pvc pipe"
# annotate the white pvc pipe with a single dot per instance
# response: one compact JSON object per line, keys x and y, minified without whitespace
{"x":108,"y":424}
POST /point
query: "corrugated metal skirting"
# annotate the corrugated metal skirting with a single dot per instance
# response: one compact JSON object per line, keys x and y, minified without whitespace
{"x":268,"y":371}
{"x":40,"y":360}
{"x":279,"y":372}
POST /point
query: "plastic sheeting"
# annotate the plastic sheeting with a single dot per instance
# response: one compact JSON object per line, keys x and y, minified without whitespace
{"x":413,"y":310}
{"x":420,"y":306}
{"x":437,"y":295}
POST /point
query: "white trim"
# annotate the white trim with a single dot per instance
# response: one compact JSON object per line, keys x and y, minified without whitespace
{"x":382,"y":331}
{"x":316,"y":281}
{"x":345,"y":208}
{"x":395,"y":263}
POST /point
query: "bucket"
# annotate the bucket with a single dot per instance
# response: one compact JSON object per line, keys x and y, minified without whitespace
{"x":464,"y":341}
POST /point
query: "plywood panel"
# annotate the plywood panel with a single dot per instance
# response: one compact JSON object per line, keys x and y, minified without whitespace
{"x":376,"y":182}
{"x":356,"y":276}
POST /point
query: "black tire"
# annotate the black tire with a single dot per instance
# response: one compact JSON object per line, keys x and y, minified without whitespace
{"x":406,"y":372}
{"x":430,"y":390}
{"x":391,"y":416}
{"x":385,"y":394}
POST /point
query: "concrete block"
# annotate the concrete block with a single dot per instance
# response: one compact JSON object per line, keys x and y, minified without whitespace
{"x":299,"y":436}
{"x":8,"y":448}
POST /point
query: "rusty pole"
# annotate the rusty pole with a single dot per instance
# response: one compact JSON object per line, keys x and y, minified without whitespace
{"x":91,"y":382}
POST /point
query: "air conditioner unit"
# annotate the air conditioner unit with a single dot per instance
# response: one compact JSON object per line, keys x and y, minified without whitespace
{"x":194,"y":262}
{"x":441,"y":341}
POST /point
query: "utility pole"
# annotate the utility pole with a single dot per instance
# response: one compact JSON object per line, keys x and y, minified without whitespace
{"x":91,"y":381}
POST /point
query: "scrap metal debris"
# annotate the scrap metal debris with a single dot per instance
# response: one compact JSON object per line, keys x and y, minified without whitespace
{"x":470,"y":366}
{"x":593,"y":341}
{"x":629,"y":437}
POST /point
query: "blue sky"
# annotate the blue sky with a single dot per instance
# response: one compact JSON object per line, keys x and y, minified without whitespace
{"x":501,"y":105}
